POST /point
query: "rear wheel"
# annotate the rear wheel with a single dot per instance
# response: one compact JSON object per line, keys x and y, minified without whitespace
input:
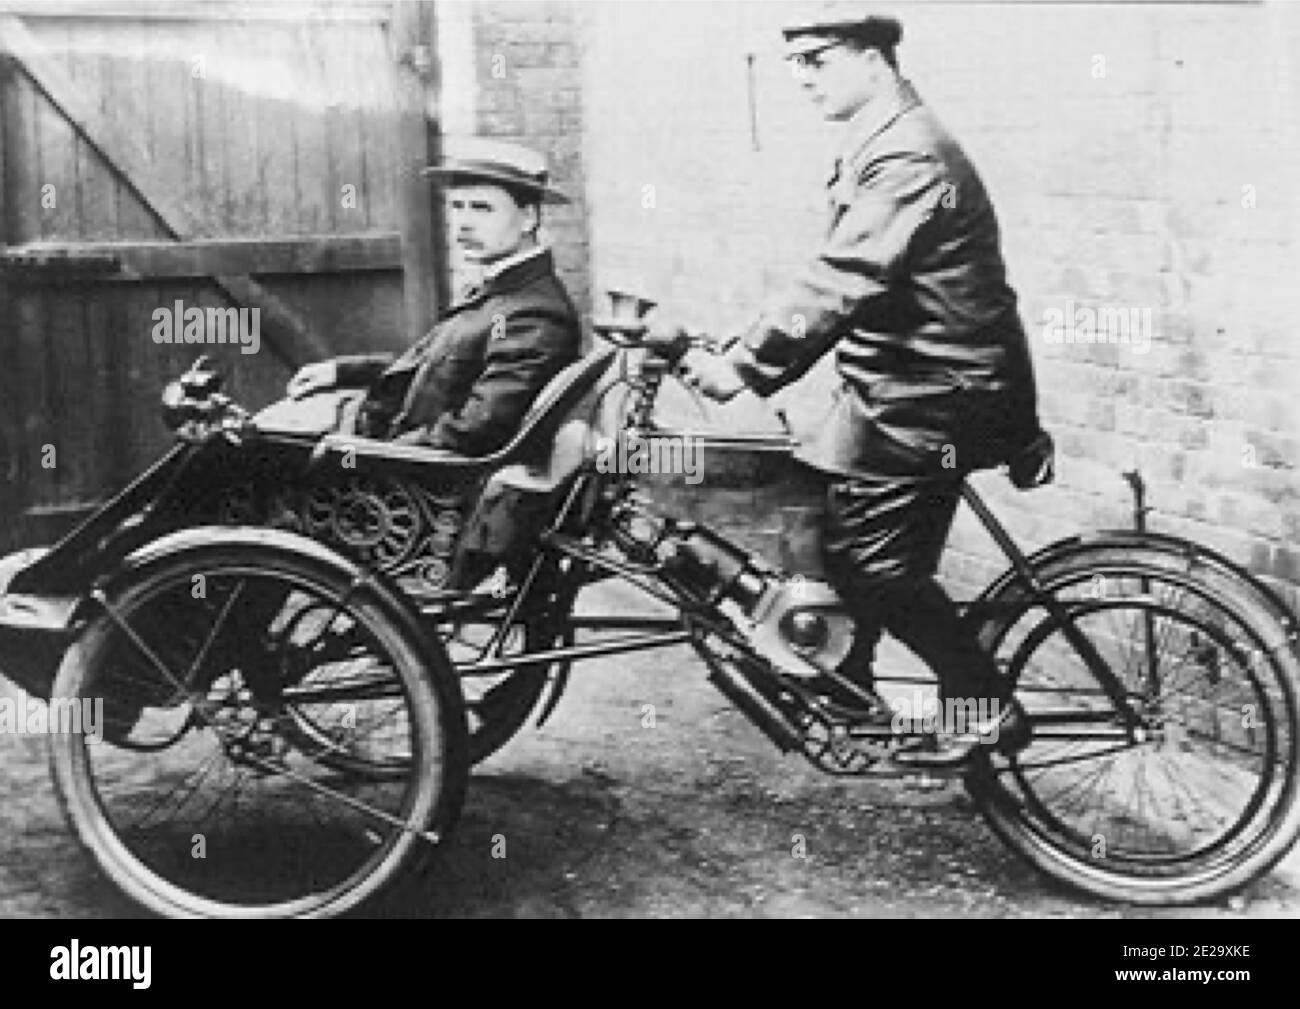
{"x":1204,"y":799}
{"x":497,"y":706}
{"x":281,"y":745}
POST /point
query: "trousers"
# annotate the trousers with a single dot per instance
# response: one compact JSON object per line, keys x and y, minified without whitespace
{"x":881,"y":544}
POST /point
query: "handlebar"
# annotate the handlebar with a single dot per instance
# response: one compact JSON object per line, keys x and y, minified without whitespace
{"x":636,"y":335}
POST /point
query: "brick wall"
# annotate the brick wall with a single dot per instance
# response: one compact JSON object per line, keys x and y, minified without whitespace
{"x":1141,"y":160}
{"x":1144,"y":159}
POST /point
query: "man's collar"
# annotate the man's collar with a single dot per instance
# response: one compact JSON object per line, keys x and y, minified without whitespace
{"x":501,"y":266}
{"x":875,"y":115}
{"x":511,"y":272}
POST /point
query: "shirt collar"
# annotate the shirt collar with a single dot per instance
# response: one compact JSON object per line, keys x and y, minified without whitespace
{"x":490,"y":273}
{"x":875,"y":115}
{"x":503,"y":274}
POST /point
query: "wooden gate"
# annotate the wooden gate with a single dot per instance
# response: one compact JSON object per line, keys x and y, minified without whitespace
{"x":161,"y":157}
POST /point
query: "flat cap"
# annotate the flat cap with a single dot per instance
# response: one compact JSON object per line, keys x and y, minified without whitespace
{"x":487,"y":159}
{"x":830,"y":20}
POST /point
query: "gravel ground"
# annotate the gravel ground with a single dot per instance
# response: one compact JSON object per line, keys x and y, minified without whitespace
{"x":697,"y":816}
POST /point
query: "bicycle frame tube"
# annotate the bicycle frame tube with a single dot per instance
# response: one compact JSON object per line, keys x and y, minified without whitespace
{"x":1109,"y":683}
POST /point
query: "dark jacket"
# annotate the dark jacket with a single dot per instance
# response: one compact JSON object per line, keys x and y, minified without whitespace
{"x":466,"y":385}
{"x":911,"y":291}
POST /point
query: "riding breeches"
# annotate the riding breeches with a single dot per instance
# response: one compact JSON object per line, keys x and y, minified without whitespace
{"x":882,"y":540}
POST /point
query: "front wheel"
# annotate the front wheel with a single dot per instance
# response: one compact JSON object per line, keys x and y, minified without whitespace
{"x":1198,"y":802}
{"x":202,"y":795}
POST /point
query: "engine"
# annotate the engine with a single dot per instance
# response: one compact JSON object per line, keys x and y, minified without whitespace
{"x":798,"y":624}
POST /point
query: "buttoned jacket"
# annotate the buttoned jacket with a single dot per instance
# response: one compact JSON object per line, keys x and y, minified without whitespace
{"x":466,"y":385}
{"x":909,"y":289}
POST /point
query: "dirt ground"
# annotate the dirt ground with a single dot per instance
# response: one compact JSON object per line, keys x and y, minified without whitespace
{"x":697,"y":816}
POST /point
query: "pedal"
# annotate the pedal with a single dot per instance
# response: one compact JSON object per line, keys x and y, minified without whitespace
{"x":923,"y":756}
{"x":838,"y":746}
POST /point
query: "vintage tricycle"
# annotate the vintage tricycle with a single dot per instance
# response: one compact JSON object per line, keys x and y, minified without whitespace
{"x":302,"y":640}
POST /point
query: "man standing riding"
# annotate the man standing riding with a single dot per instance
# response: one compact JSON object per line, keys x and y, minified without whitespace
{"x":910,"y":290}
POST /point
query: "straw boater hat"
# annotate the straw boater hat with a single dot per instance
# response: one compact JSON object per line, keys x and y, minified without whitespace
{"x":497,"y":161}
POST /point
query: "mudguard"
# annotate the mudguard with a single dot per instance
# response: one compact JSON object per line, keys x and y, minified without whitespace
{"x":35,"y":629}
{"x":198,"y":537}
{"x":559,"y":683}
{"x":214,"y":539}
{"x":1192,"y":554}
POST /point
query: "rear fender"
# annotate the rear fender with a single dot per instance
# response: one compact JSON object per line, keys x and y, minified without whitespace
{"x":199,"y":542}
{"x":1185,"y":552}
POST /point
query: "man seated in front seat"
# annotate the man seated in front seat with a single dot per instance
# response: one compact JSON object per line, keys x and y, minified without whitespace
{"x":467,"y":384}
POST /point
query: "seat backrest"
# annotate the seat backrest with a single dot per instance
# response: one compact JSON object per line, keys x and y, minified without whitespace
{"x":556,"y":400}
{"x":558,"y":397}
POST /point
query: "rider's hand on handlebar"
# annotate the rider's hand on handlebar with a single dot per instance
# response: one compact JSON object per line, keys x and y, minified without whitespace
{"x":313,"y":378}
{"x":711,"y":374}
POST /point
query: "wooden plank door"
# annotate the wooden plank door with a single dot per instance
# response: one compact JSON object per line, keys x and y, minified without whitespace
{"x":158,"y":158}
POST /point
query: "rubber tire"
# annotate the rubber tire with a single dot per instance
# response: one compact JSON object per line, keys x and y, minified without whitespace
{"x":435,"y":710}
{"x":1000,"y":808}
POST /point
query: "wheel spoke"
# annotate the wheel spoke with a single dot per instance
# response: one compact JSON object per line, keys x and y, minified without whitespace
{"x":369,"y":687}
{"x":190,"y":786}
{"x":137,"y":641}
{"x":339,"y":796}
{"x":293,"y":817}
{"x":1184,"y":790}
{"x":197,"y":664}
